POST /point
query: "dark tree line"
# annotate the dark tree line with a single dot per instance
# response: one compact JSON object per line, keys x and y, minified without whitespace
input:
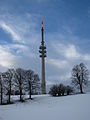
{"x":18,"y":82}
{"x":60,"y":90}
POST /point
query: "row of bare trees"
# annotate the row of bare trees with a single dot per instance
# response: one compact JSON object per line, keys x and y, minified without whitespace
{"x":19,"y":82}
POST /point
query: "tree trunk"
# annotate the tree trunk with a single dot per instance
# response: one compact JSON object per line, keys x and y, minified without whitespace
{"x":63,"y":93}
{"x":68,"y":93}
{"x":81,"y":91}
{"x":30,"y":90}
{"x":80,"y":83}
{"x":59,"y":94}
{"x":9,"y":100}
{"x":20,"y":93}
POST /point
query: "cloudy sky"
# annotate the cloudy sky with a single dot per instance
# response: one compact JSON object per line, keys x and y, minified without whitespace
{"x":67,"y":35}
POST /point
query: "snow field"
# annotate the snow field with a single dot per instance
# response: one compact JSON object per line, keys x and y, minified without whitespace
{"x":45,"y":107}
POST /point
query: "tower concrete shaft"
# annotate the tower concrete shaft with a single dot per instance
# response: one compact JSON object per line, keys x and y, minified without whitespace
{"x":42,"y":51}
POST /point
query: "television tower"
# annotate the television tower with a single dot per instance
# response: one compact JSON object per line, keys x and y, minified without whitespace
{"x":42,"y":51}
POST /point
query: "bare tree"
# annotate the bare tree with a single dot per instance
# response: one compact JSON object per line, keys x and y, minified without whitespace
{"x":8,"y":77}
{"x":36,"y":84}
{"x":80,"y":76}
{"x":29,"y":76}
{"x":19,"y":80}
{"x":32,"y":82}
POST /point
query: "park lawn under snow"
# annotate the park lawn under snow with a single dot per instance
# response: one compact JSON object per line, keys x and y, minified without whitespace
{"x":45,"y":107}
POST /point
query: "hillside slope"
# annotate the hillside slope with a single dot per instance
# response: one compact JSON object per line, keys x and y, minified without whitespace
{"x":45,"y":107}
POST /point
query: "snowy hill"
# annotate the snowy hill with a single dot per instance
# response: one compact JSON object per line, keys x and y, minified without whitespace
{"x":45,"y":107}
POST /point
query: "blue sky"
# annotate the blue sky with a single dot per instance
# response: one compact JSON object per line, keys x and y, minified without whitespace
{"x":66,"y":26}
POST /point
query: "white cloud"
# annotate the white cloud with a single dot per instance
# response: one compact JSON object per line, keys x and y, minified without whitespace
{"x":15,"y":55}
{"x":21,"y":49}
{"x":71,"y":52}
{"x":10,"y":31}
{"x":59,"y":77}
{"x":67,"y":50}
{"x":55,"y":79}
{"x":86,"y":57}
{"x":58,"y":63}
{"x":7,"y":59}
{"x":22,"y":29}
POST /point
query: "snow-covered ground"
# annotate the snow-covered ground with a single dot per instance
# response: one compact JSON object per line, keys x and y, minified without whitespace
{"x":45,"y":107}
